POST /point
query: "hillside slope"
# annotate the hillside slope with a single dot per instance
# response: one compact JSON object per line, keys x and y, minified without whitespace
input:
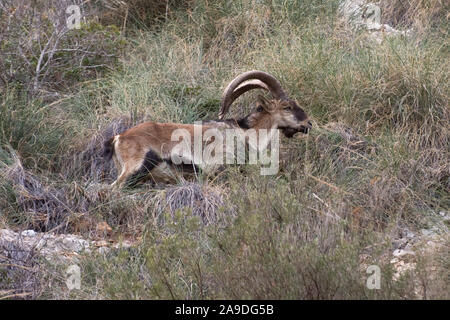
{"x":369,"y":185}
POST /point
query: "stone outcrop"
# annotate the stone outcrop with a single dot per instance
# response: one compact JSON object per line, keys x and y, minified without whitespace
{"x":50,"y":246}
{"x":367,"y":15}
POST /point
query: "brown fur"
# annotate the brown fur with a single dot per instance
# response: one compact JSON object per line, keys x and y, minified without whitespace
{"x":130,"y":148}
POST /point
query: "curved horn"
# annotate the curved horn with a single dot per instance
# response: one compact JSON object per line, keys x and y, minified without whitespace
{"x":237,"y":87}
{"x":241,"y":89}
{"x":247,"y":86}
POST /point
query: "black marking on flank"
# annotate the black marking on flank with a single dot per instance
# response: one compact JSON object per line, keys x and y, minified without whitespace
{"x":152,"y":159}
{"x":183,"y":167}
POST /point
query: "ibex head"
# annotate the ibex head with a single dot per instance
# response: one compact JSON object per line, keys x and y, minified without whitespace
{"x":281,"y":112}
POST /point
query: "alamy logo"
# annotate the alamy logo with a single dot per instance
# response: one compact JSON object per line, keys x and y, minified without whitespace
{"x":74,"y":20}
{"x":216,"y":147}
{"x":374,"y":280}
{"x":73,"y":280}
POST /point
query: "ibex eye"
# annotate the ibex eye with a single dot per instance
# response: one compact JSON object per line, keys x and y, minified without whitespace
{"x":259,"y":109}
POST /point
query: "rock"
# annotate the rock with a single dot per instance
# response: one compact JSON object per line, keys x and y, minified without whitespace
{"x":402,"y":253}
{"x":352,"y":10}
{"x":445,"y":217}
{"x":28,"y":233}
{"x":410,"y":245}
{"x":410,"y":234}
{"x":51,"y":246}
{"x":401,"y":268}
{"x":367,"y":16}
{"x":430,"y":232}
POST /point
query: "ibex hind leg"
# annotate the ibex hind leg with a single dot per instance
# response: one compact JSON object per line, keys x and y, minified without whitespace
{"x":143,"y":172}
{"x":121,"y":178}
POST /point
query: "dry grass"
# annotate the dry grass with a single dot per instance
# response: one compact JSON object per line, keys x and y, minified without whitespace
{"x":417,"y":14}
{"x":375,"y":165}
{"x":44,"y":206}
{"x":204,"y":202}
{"x":86,"y":162}
{"x":20,"y":273}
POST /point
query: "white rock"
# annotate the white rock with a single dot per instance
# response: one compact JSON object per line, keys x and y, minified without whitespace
{"x":28,"y":233}
{"x":410,"y":234}
{"x":394,"y":260}
{"x":399,"y":253}
{"x":62,"y":247}
{"x":368,"y":15}
{"x":48,"y":245}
